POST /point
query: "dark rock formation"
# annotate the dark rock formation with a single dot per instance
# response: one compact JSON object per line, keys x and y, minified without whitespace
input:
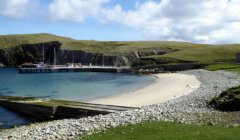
{"x":238,"y":57}
{"x":34,"y":53}
{"x":28,"y":53}
{"x":229,"y":100}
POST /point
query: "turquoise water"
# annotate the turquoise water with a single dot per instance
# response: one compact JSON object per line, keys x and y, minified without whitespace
{"x":67,"y":86}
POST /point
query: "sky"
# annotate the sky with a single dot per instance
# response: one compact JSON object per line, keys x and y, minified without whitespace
{"x":198,"y":21}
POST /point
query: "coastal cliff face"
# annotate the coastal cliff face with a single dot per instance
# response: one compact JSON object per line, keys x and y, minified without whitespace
{"x":34,"y":53}
{"x":28,"y":53}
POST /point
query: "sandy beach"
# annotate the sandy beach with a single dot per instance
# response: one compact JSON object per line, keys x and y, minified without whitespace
{"x":185,"y":109}
{"x":167,"y":86}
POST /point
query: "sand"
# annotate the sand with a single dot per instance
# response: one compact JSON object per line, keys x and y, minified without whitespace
{"x":167,"y":86}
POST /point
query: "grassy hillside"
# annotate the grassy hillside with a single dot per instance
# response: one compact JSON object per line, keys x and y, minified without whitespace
{"x":179,"y":51}
{"x":7,"y":41}
{"x":205,"y":53}
{"x":167,"y":131}
{"x":224,"y":66}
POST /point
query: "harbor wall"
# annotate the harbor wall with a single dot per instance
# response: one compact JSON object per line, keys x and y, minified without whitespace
{"x":43,"y":112}
{"x":76,"y":69}
{"x":38,"y":112}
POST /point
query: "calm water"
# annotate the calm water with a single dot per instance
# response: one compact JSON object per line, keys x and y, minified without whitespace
{"x":66,"y":86}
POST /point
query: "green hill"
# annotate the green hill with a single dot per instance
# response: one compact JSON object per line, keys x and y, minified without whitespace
{"x":178,"y":51}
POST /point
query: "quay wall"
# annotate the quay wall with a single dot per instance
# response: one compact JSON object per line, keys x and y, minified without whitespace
{"x":80,"y":69}
{"x":36,"y":112}
{"x":44,"y":112}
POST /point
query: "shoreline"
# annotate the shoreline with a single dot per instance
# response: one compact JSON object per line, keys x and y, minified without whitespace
{"x":167,"y":86}
{"x":190,"y":109}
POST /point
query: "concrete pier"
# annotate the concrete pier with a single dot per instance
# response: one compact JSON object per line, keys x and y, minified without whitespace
{"x":42,"y":109}
{"x":75,"y":69}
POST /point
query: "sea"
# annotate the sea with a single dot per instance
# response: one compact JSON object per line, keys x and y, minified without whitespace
{"x":81,"y":86}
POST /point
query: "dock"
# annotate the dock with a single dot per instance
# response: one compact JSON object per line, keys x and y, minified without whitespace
{"x":76,"y":69}
{"x":42,"y":109}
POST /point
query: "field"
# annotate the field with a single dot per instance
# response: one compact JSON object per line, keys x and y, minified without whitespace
{"x":167,"y":131}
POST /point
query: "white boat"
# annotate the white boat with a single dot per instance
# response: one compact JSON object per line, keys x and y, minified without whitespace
{"x":1,"y":65}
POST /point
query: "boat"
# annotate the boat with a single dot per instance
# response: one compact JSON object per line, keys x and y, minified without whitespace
{"x":1,"y":65}
{"x":39,"y":65}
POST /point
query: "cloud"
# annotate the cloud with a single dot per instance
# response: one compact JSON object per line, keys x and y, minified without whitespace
{"x":201,"y":21}
{"x":17,"y":8}
{"x":75,"y":10}
{"x":205,"y":21}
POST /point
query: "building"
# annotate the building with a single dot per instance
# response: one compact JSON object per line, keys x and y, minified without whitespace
{"x":238,"y":57}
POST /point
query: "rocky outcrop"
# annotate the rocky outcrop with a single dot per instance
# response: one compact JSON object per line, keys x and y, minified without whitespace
{"x":238,"y":57}
{"x":34,"y":53}
{"x":128,"y":57}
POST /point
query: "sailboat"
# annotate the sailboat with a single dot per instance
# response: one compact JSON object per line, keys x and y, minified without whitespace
{"x":39,"y":65}
{"x":103,"y":61}
{"x":54,"y":59}
{"x":71,"y":65}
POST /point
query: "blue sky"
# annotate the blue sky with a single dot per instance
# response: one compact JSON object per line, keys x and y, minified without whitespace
{"x":205,"y":21}
{"x":85,"y":31}
{"x":90,"y":29}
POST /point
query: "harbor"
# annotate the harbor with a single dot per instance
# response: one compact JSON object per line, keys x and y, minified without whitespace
{"x":48,"y":67}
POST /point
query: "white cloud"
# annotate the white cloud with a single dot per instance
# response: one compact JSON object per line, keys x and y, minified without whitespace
{"x":203,"y":21}
{"x":75,"y":10}
{"x":17,"y":8}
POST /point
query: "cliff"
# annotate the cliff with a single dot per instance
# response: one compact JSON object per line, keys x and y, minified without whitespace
{"x":17,"y":49}
{"x":17,"y":55}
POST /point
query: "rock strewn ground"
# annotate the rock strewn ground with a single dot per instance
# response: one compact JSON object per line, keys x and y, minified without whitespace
{"x":186,"y":109}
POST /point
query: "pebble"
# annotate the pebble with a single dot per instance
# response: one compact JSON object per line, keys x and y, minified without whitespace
{"x":190,"y":109}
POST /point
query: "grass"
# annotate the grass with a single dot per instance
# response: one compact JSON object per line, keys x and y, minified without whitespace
{"x":56,"y":103}
{"x":228,"y":100}
{"x":7,"y":41}
{"x":17,"y":98}
{"x":40,"y":101}
{"x":204,"y":54}
{"x":224,"y":66}
{"x":178,"y":52}
{"x":167,"y":131}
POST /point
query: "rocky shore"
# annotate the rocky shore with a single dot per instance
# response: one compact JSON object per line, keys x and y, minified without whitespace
{"x":186,"y":109}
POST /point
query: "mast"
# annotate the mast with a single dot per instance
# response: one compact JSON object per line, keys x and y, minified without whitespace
{"x":43,"y":54}
{"x":73,"y":58}
{"x":103,"y":60}
{"x":54,"y":60}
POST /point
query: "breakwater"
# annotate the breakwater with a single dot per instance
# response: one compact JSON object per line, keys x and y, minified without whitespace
{"x":76,"y":69}
{"x":42,"y":110}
